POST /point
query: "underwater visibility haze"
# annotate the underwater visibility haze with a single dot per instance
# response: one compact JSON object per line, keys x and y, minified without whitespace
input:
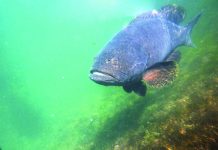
{"x":47,"y":100}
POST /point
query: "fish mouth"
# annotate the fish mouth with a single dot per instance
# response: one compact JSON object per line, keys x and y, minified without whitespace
{"x":103,"y":78}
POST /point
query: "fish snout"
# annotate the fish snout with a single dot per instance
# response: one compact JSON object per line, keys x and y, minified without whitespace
{"x":102,"y":78}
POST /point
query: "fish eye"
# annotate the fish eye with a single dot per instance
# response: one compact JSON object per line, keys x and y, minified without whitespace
{"x":112,"y":61}
{"x":107,"y":61}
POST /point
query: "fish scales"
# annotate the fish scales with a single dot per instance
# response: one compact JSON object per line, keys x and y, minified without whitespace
{"x":144,"y":51}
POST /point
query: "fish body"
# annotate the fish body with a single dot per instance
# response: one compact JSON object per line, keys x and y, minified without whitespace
{"x":140,"y":48}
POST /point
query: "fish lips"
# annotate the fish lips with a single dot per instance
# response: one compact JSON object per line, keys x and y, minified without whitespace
{"x":103,"y":78}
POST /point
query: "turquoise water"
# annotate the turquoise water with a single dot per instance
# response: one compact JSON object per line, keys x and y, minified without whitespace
{"x":48,"y":102}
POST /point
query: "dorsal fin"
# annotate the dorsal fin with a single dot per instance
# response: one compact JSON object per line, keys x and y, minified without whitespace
{"x":173,"y":13}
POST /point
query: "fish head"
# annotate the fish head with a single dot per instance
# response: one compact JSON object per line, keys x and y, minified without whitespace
{"x":115,"y":67}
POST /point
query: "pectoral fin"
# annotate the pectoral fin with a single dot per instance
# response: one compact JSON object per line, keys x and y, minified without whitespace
{"x":174,"y":56}
{"x":160,"y":74}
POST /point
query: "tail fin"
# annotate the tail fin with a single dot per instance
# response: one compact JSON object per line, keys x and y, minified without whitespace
{"x":189,"y":28}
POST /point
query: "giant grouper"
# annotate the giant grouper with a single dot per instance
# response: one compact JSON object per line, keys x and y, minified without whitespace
{"x":144,"y":52}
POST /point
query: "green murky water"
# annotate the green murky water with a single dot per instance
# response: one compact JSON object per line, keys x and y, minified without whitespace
{"x":48,"y":102}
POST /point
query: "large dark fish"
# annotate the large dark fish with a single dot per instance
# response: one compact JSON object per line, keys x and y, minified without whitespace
{"x":144,"y":51}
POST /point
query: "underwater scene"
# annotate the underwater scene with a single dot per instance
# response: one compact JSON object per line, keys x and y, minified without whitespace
{"x":48,"y":100}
